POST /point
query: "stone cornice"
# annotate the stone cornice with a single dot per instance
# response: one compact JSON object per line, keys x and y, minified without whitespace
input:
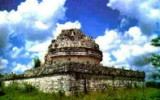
{"x":81,"y":69}
{"x":77,"y":51}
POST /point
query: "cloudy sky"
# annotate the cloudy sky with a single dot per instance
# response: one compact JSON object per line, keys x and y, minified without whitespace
{"x":122,"y":28}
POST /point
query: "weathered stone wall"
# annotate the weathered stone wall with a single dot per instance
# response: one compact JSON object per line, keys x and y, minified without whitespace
{"x":102,"y":84}
{"x":46,"y":84}
{"x":78,"y":59}
{"x":75,"y":54}
{"x":71,"y":84}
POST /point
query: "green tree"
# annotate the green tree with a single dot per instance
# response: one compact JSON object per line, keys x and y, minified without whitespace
{"x":37,"y":62}
{"x":1,"y":90}
{"x":156,"y":42}
{"x":155,"y":59}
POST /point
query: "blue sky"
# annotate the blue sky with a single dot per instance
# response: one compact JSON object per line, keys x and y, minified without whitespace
{"x":122,"y":28}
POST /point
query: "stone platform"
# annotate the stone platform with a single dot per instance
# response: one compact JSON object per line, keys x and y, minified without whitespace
{"x":72,"y":77}
{"x":72,"y":64}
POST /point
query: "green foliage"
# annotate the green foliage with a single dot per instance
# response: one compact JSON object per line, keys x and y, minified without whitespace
{"x":1,"y":90}
{"x":27,"y":92}
{"x":155,"y":59}
{"x":153,"y":84}
{"x":37,"y":62}
{"x":11,"y":75}
{"x":23,"y":88}
{"x":1,"y":75}
{"x":155,"y":76}
{"x":156,"y":42}
{"x":27,"y":88}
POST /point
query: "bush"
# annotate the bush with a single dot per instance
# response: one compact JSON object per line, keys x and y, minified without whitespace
{"x":1,"y":89}
{"x":153,"y":84}
{"x":24,"y":87}
{"x":1,"y":92}
{"x":27,"y":88}
{"x":28,"y":92}
{"x":37,"y":62}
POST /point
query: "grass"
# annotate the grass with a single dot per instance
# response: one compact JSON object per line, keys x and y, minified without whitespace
{"x":27,"y":92}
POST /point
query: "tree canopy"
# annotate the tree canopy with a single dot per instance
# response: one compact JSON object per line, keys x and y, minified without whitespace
{"x":37,"y":62}
{"x":156,"y":42}
{"x":155,"y":59}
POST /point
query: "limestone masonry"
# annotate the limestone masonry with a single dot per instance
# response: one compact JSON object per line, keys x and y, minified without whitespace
{"x":72,"y":65}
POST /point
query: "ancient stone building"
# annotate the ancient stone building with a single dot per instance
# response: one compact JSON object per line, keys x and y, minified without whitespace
{"x":73,"y":46}
{"x":72,"y":64}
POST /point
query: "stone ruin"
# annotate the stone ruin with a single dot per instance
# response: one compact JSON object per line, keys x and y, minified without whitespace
{"x":72,"y":65}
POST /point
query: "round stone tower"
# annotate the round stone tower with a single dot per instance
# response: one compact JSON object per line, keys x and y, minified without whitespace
{"x":73,"y":46}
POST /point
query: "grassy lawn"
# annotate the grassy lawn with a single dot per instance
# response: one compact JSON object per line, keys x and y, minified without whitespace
{"x":27,"y":92}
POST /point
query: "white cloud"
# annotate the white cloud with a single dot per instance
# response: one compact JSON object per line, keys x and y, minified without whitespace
{"x":16,"y":51}
{"x":147,"y":12}
{"x":21,"y":68}
{"x":40,"y":25}
{"x":135,"y":44}
{"x":108,"y":39}
{"x":121,"y":49}
{"x":32,"y":19}
{"x":3,"y":34}
{"x":3,"y":63}
{"x":38,"y":49}
{"x":34,"y":22}
{"x":135,"y":33}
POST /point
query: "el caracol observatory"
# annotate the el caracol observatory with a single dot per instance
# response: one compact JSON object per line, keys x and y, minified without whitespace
{"x":72,"y":64}
{"x":73,"y":46}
